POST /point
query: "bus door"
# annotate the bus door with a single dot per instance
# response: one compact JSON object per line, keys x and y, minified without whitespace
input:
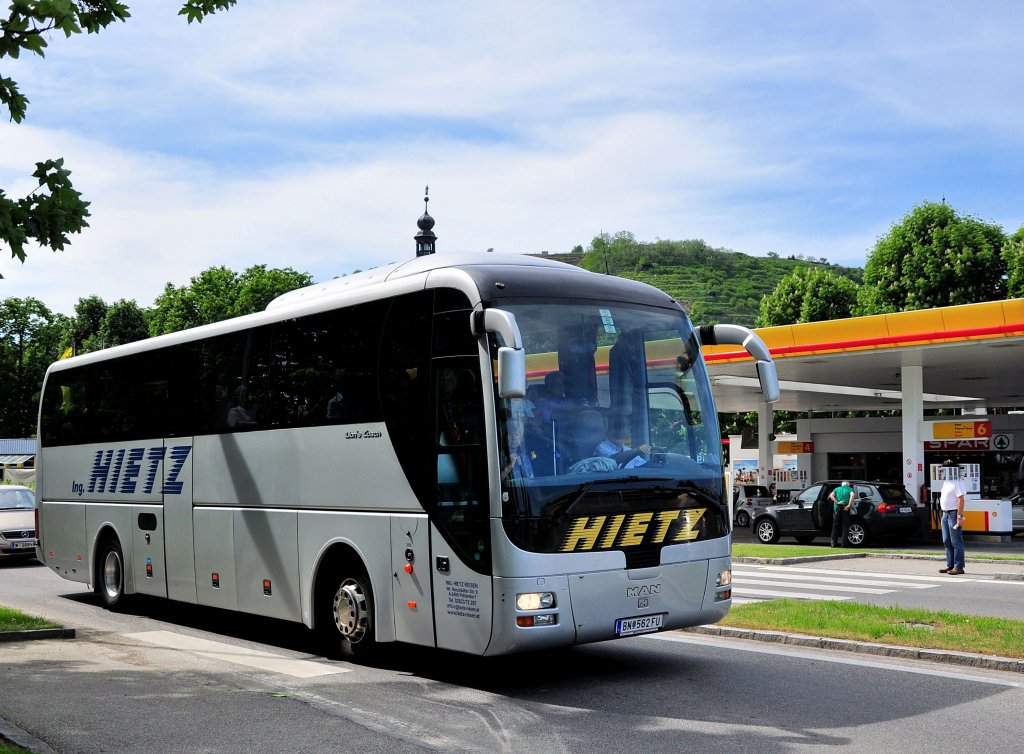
{"x":178,"y":529}
{"x":138,"y":473}
{"x":460,"y":539}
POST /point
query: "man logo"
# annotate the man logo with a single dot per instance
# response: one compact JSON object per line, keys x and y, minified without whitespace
{"x":643,"y":591}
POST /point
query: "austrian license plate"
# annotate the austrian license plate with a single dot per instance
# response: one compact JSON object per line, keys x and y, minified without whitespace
{"x":906,"y":509}
{"x":22,"y":545}
{"x":642,"y":624}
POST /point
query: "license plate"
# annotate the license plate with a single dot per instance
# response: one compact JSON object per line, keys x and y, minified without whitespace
{"x":642,"y":624}
{"x":906,"y":509}
{"x":23,"y":545}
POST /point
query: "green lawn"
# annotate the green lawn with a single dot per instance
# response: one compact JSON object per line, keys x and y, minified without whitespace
{"x":15,"y":620}
{"x":907,"y":627}
{"x":796,"y":551}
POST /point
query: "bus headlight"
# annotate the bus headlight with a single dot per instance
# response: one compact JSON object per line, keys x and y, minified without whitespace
{"x":535,"y":600}
{"x":724,"y":577}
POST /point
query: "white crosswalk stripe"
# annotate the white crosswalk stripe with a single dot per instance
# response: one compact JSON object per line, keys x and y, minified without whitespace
{"x":937,"y":578}
{"x":753,"y":582}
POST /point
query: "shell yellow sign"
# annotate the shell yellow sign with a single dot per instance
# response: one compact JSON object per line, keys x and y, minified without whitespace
{"x":795,"y":447}
{"x":961,"y":430}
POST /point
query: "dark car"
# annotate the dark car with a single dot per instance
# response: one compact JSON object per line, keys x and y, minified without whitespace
{"x":881,"y":509}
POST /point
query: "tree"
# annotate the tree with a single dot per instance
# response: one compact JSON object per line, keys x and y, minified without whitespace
{"x":808,"y":295}
{"x":124,"y":323}
{"x":1013,"y":258}
{"x":29,"y":343}
{"x":934,"y":257}
{"x":87,"y":327}
{"x":218,"y":293}
{"x":258,"y":286}
{"x":55,"y":209}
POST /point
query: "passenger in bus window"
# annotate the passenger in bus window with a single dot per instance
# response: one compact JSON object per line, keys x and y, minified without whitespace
{"x":336,"y":408}
{"x":551,"y":397}
{"x":239,"y":416}
{"x":458,"y":407}
{"x":516,"y":464}
{"x":591,"y":432}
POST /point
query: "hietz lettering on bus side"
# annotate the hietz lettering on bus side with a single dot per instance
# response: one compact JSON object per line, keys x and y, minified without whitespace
{"x":119,"y":471}
{"x":626,"y":530}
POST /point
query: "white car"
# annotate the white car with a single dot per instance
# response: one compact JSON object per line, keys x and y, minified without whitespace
{"x":748,"y":501}
{"x":1017,"y":506}
{"x":17,"y":522}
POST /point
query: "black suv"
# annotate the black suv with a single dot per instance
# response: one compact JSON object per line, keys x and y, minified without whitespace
{"x":880,"y":509}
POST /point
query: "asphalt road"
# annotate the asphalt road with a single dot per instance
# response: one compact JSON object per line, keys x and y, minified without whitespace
{"x":167,"y":677}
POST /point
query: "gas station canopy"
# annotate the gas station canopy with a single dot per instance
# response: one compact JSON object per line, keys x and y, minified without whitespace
{"x":971,"y":356}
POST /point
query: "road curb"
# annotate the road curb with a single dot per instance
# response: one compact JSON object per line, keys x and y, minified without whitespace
{"x":18,"y":737}
{"x":989,"y":662}
{"x":38,"y":633}
{"x":799,"y":559}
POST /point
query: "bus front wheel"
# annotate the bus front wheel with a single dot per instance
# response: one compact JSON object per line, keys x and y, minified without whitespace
{"x":109,"y":583}
{"x":351,"y":620}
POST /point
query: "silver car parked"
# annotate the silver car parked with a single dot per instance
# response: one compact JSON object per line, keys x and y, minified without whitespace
{"x":17,"y":522}
{"x":748,"y":501}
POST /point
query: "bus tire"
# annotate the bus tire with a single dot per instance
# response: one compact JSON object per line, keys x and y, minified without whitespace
{"x":109,"y":582}
{"x":349,"y":619}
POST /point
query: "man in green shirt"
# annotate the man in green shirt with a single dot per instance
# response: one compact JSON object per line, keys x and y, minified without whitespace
{"x":842,"y":500}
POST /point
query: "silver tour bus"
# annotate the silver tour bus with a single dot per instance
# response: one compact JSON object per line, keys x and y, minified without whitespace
{"x":477,"y":452}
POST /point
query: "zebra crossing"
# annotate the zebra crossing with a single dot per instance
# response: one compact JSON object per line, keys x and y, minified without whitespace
{"x":754,"y":583}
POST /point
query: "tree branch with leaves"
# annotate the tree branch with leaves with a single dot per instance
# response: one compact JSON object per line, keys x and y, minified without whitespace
{"x":54,"y":209}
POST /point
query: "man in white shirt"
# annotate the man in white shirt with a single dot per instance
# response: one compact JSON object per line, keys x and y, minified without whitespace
{"x":951,"y":500}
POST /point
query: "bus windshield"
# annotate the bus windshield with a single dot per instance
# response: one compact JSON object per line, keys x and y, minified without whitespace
{"x":618,"y":410}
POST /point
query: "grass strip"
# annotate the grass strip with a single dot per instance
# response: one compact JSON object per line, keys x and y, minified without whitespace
{"x":796,"y":551}
{"x":905,"y":627}
{"x":15,"y":620}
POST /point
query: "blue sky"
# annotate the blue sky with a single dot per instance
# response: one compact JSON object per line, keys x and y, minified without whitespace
{"x":302,"y":134}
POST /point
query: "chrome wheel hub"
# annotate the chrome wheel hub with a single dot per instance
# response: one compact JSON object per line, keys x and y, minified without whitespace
{"x":112,"y":574}
{"x":351,"y":611}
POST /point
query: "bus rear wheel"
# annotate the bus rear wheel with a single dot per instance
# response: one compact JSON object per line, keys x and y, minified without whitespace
{"x":109,"y":582}
{"x":350,"y":624}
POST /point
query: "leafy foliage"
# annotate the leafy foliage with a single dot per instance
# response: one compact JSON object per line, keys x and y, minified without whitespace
{"x":713,"y":285}
{"x":808,"y":295}
{"x":30,"y":336}
{"x":55,"y":209}
{"x":934,"y":257}
{"x":1013,"y":258}
{"x":125,"y":322}
{"x":218,"y":293}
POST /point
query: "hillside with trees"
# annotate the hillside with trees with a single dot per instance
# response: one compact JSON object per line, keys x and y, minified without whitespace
{"x":713,"y":284}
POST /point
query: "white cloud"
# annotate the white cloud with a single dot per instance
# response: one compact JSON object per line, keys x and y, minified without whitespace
{"x":302,"y":134}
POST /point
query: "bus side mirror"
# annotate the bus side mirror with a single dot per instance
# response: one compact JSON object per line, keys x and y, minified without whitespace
{"x":769,"y":379}
{"x":512,"y":356}
{"x":511,"y":372}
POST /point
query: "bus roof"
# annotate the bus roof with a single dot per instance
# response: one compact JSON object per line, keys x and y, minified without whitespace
{"x":494,"y":276}
{"x":414,"y":266}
